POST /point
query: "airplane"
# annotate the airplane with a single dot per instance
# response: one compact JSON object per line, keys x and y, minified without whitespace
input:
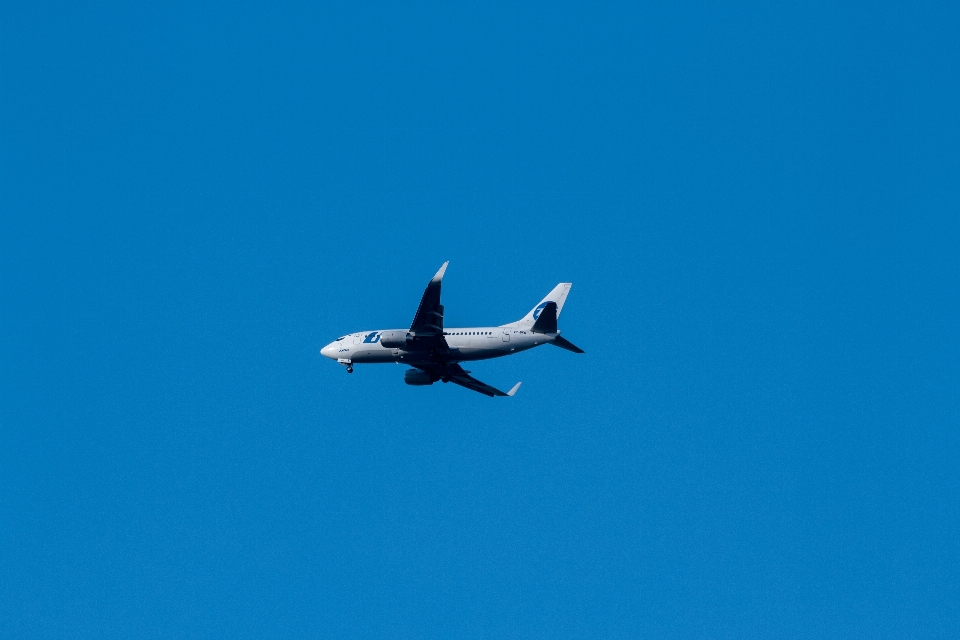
{"x":435,"y":353}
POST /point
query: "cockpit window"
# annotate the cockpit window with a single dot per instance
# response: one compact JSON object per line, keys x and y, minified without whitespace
{"x":340,"y":338}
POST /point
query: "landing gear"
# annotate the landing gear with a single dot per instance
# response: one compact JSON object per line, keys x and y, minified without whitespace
{"x":347,"y":363}
{"x":349,"y":368}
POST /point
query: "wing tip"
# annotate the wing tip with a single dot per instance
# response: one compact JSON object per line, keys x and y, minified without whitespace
{"x":514,"y":390}
{"x":439,"y":276}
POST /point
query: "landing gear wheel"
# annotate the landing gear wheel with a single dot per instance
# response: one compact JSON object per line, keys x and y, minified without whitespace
{"x":349,"y":369}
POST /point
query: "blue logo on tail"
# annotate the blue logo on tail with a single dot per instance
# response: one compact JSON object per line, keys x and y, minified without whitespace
{"x":536,"y":312}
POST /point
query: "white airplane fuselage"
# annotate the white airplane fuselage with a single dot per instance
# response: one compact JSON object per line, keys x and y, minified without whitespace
{"x":466,"y":344}
{"x":434,"y":352}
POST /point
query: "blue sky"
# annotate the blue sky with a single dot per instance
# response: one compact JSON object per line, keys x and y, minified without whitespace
{"x":757,"y":205}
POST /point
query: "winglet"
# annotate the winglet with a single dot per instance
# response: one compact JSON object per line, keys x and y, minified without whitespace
{"x":437,"y":278}
{"x":514,"y":390}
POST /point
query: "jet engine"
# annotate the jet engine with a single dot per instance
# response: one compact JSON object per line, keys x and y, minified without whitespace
{"x":418,"y":378}
{"x":395,"y":339}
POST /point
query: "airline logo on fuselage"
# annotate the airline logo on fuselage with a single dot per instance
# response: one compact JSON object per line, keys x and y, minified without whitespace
{"x":372,"y":338}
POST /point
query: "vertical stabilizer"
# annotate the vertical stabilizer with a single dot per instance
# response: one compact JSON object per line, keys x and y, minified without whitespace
{"x":558,"y":296}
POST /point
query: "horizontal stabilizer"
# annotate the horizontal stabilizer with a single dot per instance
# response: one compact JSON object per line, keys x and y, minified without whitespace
{"x":563,"y":343}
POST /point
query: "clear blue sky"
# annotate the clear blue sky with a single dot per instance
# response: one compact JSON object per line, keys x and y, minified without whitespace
{"x":757,"y":205}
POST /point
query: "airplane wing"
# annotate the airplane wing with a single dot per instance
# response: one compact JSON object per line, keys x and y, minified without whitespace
{"x":458,"y":375}
{"x":429,"y":318}
{"x":475,"y":385}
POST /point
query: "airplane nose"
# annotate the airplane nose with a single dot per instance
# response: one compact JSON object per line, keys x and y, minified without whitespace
{"x":329,"y":351}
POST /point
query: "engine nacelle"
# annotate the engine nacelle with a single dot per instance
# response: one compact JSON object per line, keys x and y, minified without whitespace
{"x":395,"y":339}
{"x":418,"y":378}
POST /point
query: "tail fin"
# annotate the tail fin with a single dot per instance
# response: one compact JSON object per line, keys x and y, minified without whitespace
{"x":547,"y":322}
{"x":555,"y":298}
